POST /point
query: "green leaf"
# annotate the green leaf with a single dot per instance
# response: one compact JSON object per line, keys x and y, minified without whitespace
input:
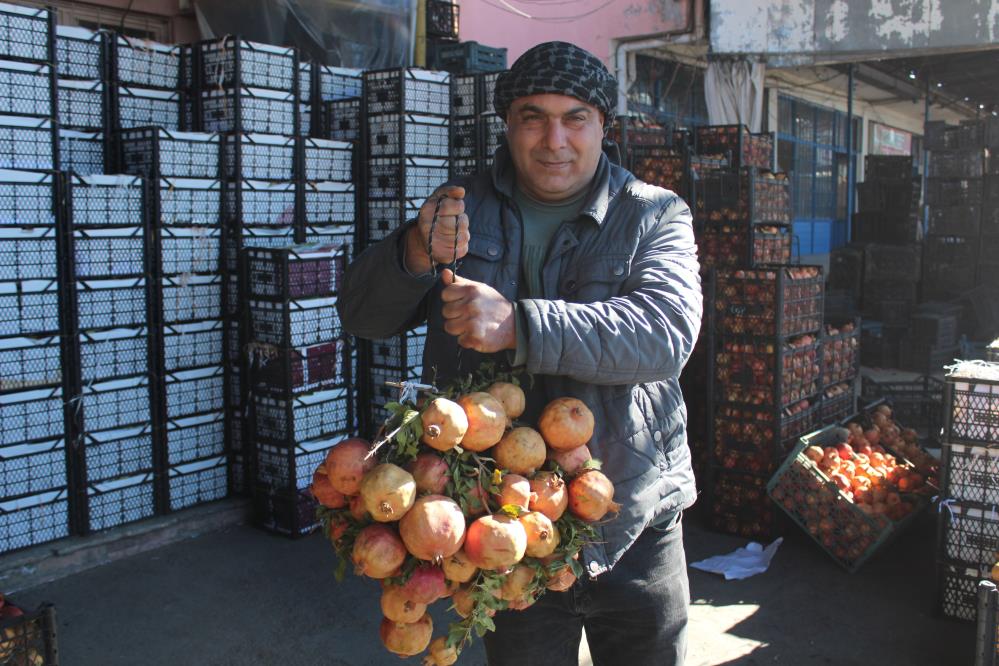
{"x":592,"y":463}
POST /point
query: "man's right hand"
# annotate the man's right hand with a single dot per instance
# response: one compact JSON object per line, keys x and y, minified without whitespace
{"x":451,"y":223}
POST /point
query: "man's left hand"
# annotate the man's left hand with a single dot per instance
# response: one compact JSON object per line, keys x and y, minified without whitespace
{"x":477,"y":315}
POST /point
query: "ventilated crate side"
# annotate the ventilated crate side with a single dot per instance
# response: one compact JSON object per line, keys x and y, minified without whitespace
{"x":763,"y":372}
{"x":386,"y":215}
{"x":336,"y":83}
{"x":281,"y":372}
{"x":405,"y":178}
{"x":155,"y":152}
{"x":463,"y":168}
{"x":198,"y":482}
{"x":111,"y":303}
{"x":26,"y":33}
{"x":971,"y":408}
{"x":83,"y":105}
{"x":31,"y":415}
{"x":407,"y":90}
{"x":191,"y":202}
{"x":300,"y":271}
{"x":191,"y":297}
{"x":736,"y":245}
{"x":190,"y":250}
{"x":29,"y":307}
{"x":957,"y":589}
{"x":291,"y":468}
{"x":295,"y":323}
{"x":107,"y":405}
{"x":114,"y":502}
{"x":26,"y":143}
{"x":114,"y":454}
{"x":142,"y":107}
{"x":194,"y":391}
{"x":80,"y":53}
{"x":987,"y":621}
{"x":289,"y":513}
{"x":144,"y":63}
{"x":257,"y":236}
{"x":780,"y":301}
{"x":464,"y":139}
{"x":26,"y":89}
{"x":756,"y":439}
{"x":395,"y":135}
{"x":492,"y":130}
{"x":329,"y":203}
{"x":968,"y":534}
{"x":109,"y":253}
{"x":955,"y":220}
{"x":305,"y":119}
{"x":82,"y":152}
{"x":117,"y":352}
{"x":98,"y":201}
{"x":32,"y":467}
{"x":465,"y":96}
{"x":248,"y":110}
{"x":326,"y":160}
{"x":257,"y":202}
{"x":194,"y":437}
{"x":442,"y":19}
{"x":898,"y":262}
{"x":258,"y":157}
{"x":193,"y":345}
{"x":231,"y":61}
{"x":342,"y":120}
{"x":28,"y":521}
{"x":26,"y":362}
{"x":27,"y":198}
{"x":28,"y":253}
{"x":310,"y":416}
{"x":744,"y":196}
{"x":917,"y":403}
{"x":953,"y":192}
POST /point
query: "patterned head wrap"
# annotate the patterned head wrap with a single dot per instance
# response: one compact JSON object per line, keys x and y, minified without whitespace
{"x":561,"y":68}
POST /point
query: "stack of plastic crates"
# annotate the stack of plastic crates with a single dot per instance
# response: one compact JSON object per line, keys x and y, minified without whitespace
{"x":767,"y":387}
{"x":146,"y":83}
{"x":34,"y":485}
{"x":968,"y":522}
{"x":299,"y":377}
{"x":111,"y":374}
{"x":840,"y":369}
{"x":338,"y":97}
{"x":492,"y":128}
{"x":83,"y":74}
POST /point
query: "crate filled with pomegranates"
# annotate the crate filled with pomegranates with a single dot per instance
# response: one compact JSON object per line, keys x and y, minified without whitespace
{"x":747,"y":149}
{"x":746,"y":195}
{"x":838,"y":402}
{"x":840,"y":351}
{"x":782,"y":301}
{"x":757,"y":439}
{"x":736,"y":244}
{"x":768,"y":372}
{"x":737,"y":503}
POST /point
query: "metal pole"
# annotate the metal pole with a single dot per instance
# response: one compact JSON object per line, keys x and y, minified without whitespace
{"x":924,"y":209}
{"x":851,"y":171}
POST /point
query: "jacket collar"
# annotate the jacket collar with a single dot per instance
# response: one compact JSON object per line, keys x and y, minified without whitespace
{"x":597,"y":200}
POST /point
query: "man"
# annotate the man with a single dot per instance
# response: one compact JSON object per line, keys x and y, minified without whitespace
{"x":589,"y":278}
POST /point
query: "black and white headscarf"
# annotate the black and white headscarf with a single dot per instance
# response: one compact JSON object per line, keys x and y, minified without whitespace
{"x":561,"y":68}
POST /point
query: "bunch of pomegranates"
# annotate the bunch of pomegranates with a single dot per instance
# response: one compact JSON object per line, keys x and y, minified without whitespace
{"x":485,"y":512}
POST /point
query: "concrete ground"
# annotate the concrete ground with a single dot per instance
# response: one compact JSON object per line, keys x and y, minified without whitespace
{"x":236,"y":595}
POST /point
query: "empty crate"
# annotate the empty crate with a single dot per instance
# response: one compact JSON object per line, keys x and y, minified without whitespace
{"x":282,"y":372}
{"x":190,"y":250}
{"x":294,"y":323}
{"x":291,"y":468}
{"x":27,"y":198}
{"x":249,"y":110}
{"x":29,"y":307}
{"x":115,"y":404}
{"x":231,"y":61}
{"x":108,"y":253}
{"x":342,"y":119}
{"x":106,"y":201}
{"x":26,"y":33}
{"x":191,"y":297}
{"x":80,"y":53}
{"x":156,"y":152}
{"x":195,"y":391}
{"x":338,"y":82}
{"x":193,"y":344}
{"x":198,"y":482}
{"x":26,"y":89}
{"x":83,"y":105}
{"x":260,"y":202}
{"x":403,"y":351}
{"x":142,"y":107}
{"x":258,"y":157}
{"x":192,"y":437}
{"x":26,"y":362}
{"x":407,"y":90}
{"x":31,"y":415}
{"x":144,"y":63}
{"x":26,"y":143}
{"x":116,"y":352}
{"x":114,"y":502}
{"x":193,"y":202}
{"x":83,"y":152}
{"x":111,"y":303}
{"x":329,"y":203}
{"x":28,"y":253}
{"x":407,"y":135}
{"x":326,"y":160}
{"x":285,"y":422}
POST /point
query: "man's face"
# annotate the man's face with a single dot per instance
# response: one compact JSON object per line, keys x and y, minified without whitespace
{"x":555,"y":141}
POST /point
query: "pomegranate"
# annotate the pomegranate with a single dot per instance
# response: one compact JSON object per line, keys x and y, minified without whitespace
{"x":516,"y":583}
{"x":388,"y":492}
{"x":399,"y":607}
{"x":458,"y":567}
{"x":347,"y":463}
{"x":542,"y":537}
{"x":550,"y":496}
{"x":324,"y":492}
{"x":357,"y":510}
{"x":378,"y":551}
{"x":591,"y":496}
{"x":516,"y":490}
{"x":409,"y":639}
{"x":338,"y":527}
{"x":566,"y":423}
{"x":434,"y":528}
{"x":511,"y":397}
{"x":463,"y":601}
{"x":562,"y":580}
{"x":444,"y":424}
{"x":495,"y":542}
{"x":430,"y":472}
{"x":571,"y":461}
{"x":426,"y":585}
{"x":439,"y":654}
{"x":521,"y":604}
{"x":486,"y":421}
{"x":521,"y":451}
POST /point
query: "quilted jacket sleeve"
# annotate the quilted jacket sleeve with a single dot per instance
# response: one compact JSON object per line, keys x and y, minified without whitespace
{"x":644,"y":335}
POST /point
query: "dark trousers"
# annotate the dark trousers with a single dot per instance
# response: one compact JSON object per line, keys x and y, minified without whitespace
{"x":636,"y":614}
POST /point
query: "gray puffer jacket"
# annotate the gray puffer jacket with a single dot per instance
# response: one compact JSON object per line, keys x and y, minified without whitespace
{"x":619,"y":318}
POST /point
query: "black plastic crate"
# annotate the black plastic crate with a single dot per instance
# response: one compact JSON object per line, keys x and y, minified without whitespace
{"x":117,"y":403}
{"x":141,"y":107}
{"x":237,"y":239}
{"x":971,"y":406}
{"x":879,"y":292}
{"x":249,"y":110}
{"x":155,"y":152}
{"x":194,"y":391}
{"x":957,"y":164}
{"x":987,"y":621}
{"x":306,"y":78}
{"x":846,"y":269}
{"x":111,"y":303}
{"x":233,"y":62}
{"x":289,"y":513}
{"x":760,"y":371}
{"x":258,"y":157}
{"x":193,"y":344}
{"x":191,"y":297}
{"x":81,"y":53}
{"x":284,"y":372}
{"x":27,"y":33}
{"x":949,"y":264}
{"x":737,"y":503}
{"x":838,"y":402}
{"x":198,"y":482}
{"x":923,"y":357}
{"x":487,"y":87}
{"x":28,"y":253}
{"x":967,"y":534}
{"x":120,"y":501}
{"x":917,"y":403}
{"x":492,"y":132}
{"x":84,"y":105}
{"x":402,"y":351}
{"x":338,"y":83}
{"x":239,"y":467}
{"x":990,"y":220}
{"x":30,"y":638}
{"x":407,"y":90}
{"x":33,"y":415}
{"x":192,"y":202}
{"x":305,"y":119}
{"x":329,"y":203}
{"x":294,"y":323}
{"x":888,"y":167}
{"x":36,"y":519}
{"x":285,"y":422}
{"x":292,"y":468}
{"x":888,"y":195}
{"x":410,"y":135}
{"x":342,"y":119}
{"x":144,"y":63}
{"x":191,"y":438}
{"x":746,"y":149}
{"x":464,"y":139}
{"x":27,"y":362}
{"x":467,"y":57}
{"x":412,"y":179}
{"x":335,"y":235}
{"x":190,"y":250}
{"x":936,"y":324}
{"x":745,"y":245}
{"x":782,"y":302}
{"x":26,"y":143}
{"x":27,"y":198}
{"x":968,"y":474}
{"x":301,"y":271}
{"x":114,"y":352}
{"x":386,"y":215}
{"x":463,"y":168}
{"x":31,"y":468}
{"x":110,"y":253}
{"x":442,"y":19}
{"x":466,"y":100}
{"x":106,"y":201}
{"x":894,"y":227}
{"x":260,"y":202}
{"x":26,"y":89}
{"x":83,"y":152}
{"x":891,"y":262}
{"x":29,"y":307}
{"x":955,"y":221}
{"x":941,"y":136}
{"x":119,"y":453}
{"x":757,"y":439}
{"x":326,"y":160}
{"x":953,"y":191}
